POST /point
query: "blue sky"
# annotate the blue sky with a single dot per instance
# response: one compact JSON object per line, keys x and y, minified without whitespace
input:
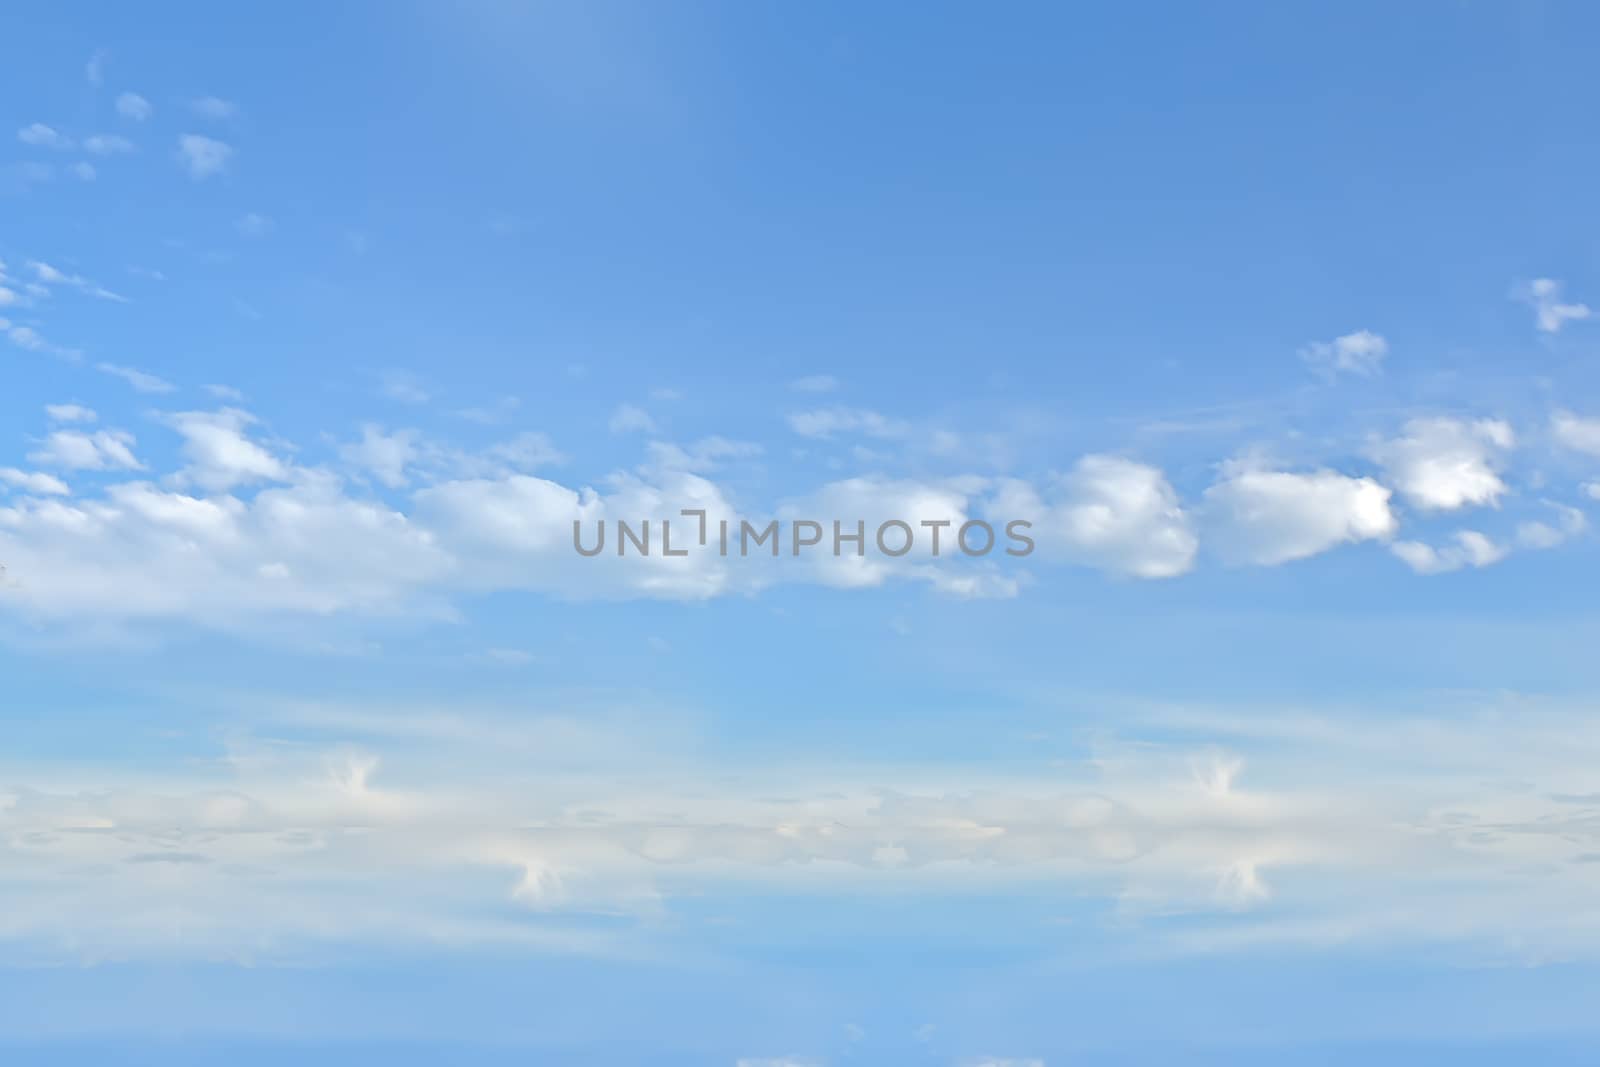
{"x":321,"y":327}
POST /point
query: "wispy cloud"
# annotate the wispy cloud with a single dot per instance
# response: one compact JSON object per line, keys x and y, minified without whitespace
{"x":140,"y":380}
{"x":1550,"y":312}
{"x":135,"y":107}
{"x":41,"y":136}
{"x":203,"y":156}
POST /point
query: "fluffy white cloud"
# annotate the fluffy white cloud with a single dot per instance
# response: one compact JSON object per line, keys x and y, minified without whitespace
{"x":1360,"y":353}
{"x":1570,"y":522}
{"x":203,"y":156}
{"x":1469,"y":548}
{"x":75,"y":450}
{"x":1108,"y":512}
{"x":1442,"y":463}
{"x":927,"y":548}
{"x":383,"y":455}
{"x":1577,"y":432}
{"x":1550,"y":313}
{"x":220,"y":453}
{"x":1271,"y":517}
{"x":41,"y":484}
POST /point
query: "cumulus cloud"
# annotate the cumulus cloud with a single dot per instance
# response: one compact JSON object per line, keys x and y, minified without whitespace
{"x":1550,"y":313}
{"x":202,"y":156}
{"x":1569,"y":523}
{"x":1108,"y":512}
{"x":1443,"y":463}
{"x":220,"y":453}
{"x":98,"y":451}
{"x":1577,"y":432}
{"x":383,"y":455}
{"x":1359,"y":353}
{"x":1468,"y":548}
{"x":34,"y":482}
{"x":1267,"y":517}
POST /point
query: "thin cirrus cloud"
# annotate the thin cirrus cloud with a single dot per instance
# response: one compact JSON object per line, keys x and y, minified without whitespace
{"x":141,"y":381}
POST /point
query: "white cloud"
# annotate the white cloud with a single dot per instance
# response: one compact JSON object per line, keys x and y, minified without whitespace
{"x":202,"y":156}
{"x":1577,"y":432}
{"x":1442,"y":464}
{"x":383,"y":455}
{"x":1108,"y":512}
{"x":141,"y":381}
{"x":630,"y":419}
{"x":1550,"y":314}
{"x":935,"y":554}
{"x":76,"y":450}
{"x":49,"y":275}
{"x":826,"y":422}
{"x":1475,"y":833}
{"x":69,"y":413}
{"x":41,"y":136}
{"x":133,"y":106}
{"x":1268,"y":517}
{"x":1360,"y":353}
{"x":84,"y":171}
{"x":220,"y":454}
{"x":94,"y":71}
{"x":211,"y":107}
{"x":1469,"y":548}
{"x":27,"y":337}
{"x":1570,"y":522}
{"x":107,"y":144}
{"x":42,"y":484}
{"x":815,"y":383}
